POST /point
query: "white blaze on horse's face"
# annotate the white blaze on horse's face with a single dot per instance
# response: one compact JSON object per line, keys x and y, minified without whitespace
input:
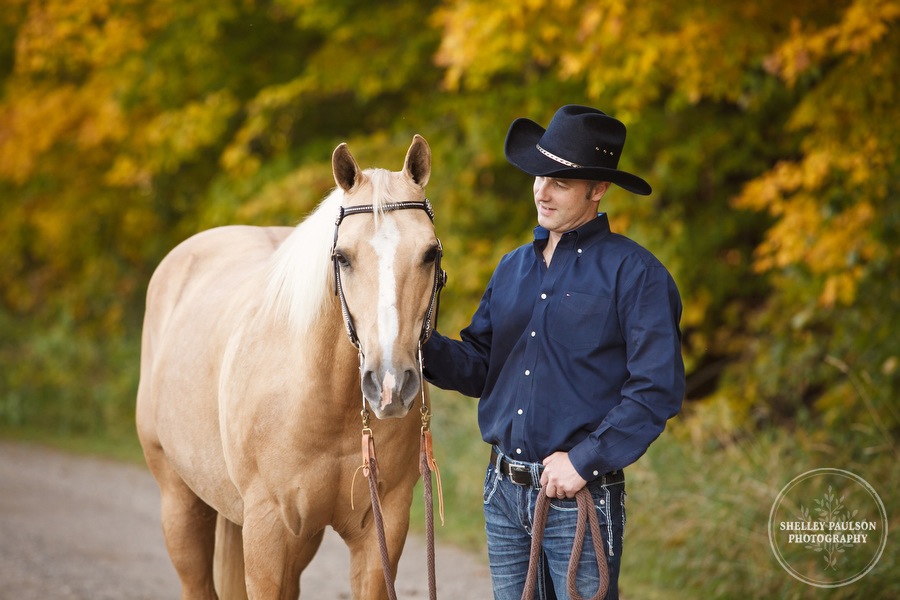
{"x":385,"y":243}
{"x":387,"y":271}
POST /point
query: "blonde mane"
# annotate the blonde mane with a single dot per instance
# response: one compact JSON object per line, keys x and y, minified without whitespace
{"x":298,"y":287}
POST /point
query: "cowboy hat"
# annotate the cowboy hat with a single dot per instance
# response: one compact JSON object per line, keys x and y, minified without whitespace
{"x":580,"y":143}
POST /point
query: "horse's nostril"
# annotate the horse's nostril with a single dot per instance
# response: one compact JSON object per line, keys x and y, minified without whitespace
{"x":409,"y":384}
{"x":389,"y":392}
{"x":401,"y":381}
{"x":370,"y":384}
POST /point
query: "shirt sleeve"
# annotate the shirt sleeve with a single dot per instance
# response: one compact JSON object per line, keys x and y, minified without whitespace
{"x":649,"y":313}
{"x":462,"y":365}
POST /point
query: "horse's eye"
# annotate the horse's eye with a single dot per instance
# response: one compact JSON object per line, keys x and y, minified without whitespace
{"x":341,"y":258}
{"x":431,"y":255}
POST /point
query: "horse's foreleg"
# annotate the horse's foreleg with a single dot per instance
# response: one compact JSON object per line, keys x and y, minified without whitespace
{"x":366,"y":566}
{"x":189,"y":527}
{"x":274,"y":557}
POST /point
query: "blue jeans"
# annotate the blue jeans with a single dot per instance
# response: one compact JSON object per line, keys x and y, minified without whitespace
{"x":508,"y":516}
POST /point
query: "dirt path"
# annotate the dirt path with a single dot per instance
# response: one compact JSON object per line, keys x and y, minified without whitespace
{"x":75,"y":528}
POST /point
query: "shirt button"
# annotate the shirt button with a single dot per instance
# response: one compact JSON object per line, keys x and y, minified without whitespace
{"x":596,"y":473}
{"x":543,"y":296}
{"x":518,"y":451}
{"x":579,"y":251}
{"x":520,"y":411}
{"x":527,"y":372}
{"x":533,"y":333}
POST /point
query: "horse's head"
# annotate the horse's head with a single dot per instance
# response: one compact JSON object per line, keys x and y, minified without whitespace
{"x":387,"y":272}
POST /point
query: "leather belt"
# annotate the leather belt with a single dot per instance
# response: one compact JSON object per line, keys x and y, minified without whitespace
{"x":518,"y":473}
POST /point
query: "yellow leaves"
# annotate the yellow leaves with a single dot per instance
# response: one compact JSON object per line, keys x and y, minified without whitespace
{"x":31,"y":123}
{"x":65,"y":37}
{"x":830,"y":203}
{"x":832,"y":244}
{"x":51,"y":225}
{"x":720,"y":416}
{"x":64,"y":94}
{"x":637,"y":50}
{"x":295,"y":195}
{"x":863,"y":24}
{"x":271,"y":103}
{"x":173,"y":138}
{"x":599,"y":28}
{"x":36,"y":119}
{"x":178,"y":135}
{"x":477,"y":38}
{"x":484,"y":38}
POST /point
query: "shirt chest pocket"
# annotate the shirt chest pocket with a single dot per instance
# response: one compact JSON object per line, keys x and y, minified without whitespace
{"x":577,"y":320}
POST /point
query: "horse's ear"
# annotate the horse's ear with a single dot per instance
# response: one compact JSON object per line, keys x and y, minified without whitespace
{"x":346,"y":171}
{"x":417,"y":165}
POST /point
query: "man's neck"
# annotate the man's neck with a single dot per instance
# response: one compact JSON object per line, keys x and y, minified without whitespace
{"x":552,"y":241}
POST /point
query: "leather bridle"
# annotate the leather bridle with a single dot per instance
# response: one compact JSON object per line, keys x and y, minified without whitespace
{"x":440,"y":276}
{"x":427,"y":464}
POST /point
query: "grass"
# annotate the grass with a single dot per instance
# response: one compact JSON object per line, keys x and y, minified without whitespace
{"x":699,"y":517}
{"x":122,"y":447}
{"x":698,"y":509}
{"x":462,"y":458}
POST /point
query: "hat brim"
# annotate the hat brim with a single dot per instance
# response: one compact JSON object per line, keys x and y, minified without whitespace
{"x":521,"y":151}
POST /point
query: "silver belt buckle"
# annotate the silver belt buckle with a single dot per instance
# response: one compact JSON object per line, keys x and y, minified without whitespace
{"x":520,"y":475}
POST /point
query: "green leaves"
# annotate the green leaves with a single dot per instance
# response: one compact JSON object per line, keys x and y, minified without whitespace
{"x":768,"y":131}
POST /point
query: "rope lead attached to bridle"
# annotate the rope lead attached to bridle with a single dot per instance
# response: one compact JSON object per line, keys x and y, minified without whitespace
{"x":427,"y":465}
{"x":427,"y":446}
{"x":429,"y":519}
{"x":587,"y":513}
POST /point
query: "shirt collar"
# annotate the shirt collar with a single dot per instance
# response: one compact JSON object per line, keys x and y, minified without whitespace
{"x":592,"y":231}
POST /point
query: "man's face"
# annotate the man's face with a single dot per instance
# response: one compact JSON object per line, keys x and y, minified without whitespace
{"x":565,"y":204}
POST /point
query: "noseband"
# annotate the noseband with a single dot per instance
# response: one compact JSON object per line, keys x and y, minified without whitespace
{"x":440,"y":276}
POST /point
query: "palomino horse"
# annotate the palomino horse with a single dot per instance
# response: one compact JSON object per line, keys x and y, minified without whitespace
{"x":248,"y":408}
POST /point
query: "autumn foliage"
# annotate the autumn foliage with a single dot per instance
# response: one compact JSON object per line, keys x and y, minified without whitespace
{"x":769,"y":130}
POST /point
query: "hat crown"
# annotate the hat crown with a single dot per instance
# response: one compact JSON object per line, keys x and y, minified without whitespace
{"x":579,"y":143}
{"x":584,"y":137}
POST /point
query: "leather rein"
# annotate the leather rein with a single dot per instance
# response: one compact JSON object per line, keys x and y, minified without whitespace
{"x":427,"y":463}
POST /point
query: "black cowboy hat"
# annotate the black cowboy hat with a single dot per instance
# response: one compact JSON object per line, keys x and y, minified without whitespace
{"x":580,"y":143}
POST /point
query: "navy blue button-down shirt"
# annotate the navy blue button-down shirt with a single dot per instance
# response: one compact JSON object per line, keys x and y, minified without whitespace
{"x":583,"y":356}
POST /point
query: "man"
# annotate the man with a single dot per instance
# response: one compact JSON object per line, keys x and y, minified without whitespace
{"x":575,"y":353}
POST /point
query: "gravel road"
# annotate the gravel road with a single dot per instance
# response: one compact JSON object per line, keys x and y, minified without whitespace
{"x":76,"y":528}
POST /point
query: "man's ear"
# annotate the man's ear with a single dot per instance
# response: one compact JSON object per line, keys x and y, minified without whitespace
{"x":599,"y":190}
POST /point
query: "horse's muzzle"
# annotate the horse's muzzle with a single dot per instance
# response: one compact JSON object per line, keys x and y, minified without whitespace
{"x":390,"y":395}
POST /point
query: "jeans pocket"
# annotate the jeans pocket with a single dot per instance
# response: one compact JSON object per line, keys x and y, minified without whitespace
{"x":564,"y":505}
{"x":491,"y":481}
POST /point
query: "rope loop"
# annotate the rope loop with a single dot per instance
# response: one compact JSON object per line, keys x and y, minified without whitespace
{"x":587,"y":514}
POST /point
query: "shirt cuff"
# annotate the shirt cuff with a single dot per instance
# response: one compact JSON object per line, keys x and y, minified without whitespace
{"x":586,"y":462}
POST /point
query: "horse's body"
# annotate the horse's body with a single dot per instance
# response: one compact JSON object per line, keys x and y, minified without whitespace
{"x":249,"y":402}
